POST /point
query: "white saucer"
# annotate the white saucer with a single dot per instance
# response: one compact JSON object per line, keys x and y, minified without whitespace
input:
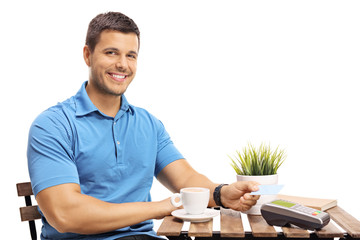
{"x":205,"y":217}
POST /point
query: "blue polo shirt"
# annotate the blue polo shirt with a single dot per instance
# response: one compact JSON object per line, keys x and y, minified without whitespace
{"x":113,"y":159}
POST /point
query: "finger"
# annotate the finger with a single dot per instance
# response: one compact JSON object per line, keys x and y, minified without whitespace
{"x":254,"y":186}
{"x":245,"y":205}
{"x":249,"y":202}
{"x":247,"y":196}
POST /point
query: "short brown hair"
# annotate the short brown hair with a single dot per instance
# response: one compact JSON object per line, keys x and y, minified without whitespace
{"x":109,"y":21}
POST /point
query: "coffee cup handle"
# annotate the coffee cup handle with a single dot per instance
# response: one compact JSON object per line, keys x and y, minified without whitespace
{"x":174,"y":197}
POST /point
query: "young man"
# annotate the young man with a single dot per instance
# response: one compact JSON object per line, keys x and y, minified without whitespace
{"x":92,"y":158}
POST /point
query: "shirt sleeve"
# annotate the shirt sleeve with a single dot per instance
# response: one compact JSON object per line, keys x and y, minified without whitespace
{"x":166,"y":152}
{"x":49,"y":153}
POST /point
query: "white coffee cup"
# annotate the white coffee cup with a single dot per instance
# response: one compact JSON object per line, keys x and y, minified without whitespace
{"x":194,"y":199}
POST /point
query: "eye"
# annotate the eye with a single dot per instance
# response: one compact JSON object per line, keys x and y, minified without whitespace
{"x":110,"y":53}
{"x":133,"y":56}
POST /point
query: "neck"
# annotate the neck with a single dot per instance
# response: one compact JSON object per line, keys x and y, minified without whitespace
{"x":106,"y":103}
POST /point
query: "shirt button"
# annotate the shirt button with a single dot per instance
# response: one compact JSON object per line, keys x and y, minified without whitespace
{"x":118,"y":142}
{"x":114,"y":123}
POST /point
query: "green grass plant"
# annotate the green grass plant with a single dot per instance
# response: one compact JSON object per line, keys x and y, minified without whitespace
{"x":258,"y":161}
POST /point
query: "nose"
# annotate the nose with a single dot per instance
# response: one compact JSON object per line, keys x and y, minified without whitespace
{"x":121,"y":63}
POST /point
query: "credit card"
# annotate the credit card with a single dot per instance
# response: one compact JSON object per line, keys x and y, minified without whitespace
{"x":268,"y":190}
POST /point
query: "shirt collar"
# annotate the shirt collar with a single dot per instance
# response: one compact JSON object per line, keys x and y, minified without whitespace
{"x":125,"y":106}
{"x":85,"y":106}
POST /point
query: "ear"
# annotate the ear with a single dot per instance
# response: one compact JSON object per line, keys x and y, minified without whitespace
{"x":87,"y":54}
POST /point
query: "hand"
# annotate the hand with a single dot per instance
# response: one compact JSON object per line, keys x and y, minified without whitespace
{"x":166,"y":208}
{"x":237,"y":195}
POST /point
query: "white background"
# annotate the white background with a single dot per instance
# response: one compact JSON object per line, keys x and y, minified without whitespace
{"x":219,"y":74}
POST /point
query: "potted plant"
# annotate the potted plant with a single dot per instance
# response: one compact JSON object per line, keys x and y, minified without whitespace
{"x":261,"y":165}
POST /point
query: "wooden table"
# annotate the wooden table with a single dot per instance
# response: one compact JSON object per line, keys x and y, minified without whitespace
{"x":231,"y":226}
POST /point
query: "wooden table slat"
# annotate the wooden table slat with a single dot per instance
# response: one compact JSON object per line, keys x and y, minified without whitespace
{"x":295,"y":232}
{"x":260,"y":228}
{"x":201,"y":229}
{"x":171,"y":226}
{"x":329,"y":231}
{"x":231,"y":224}
{"x":350,"y":224}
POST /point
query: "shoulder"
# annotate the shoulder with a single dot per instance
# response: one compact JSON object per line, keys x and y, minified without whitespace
{"x":141,"y":111}
{"x":60,"y":111}
{"x":55,"y":118}
{"x":145,"y":115}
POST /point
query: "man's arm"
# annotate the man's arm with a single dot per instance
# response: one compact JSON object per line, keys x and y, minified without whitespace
{"x":179,"y":174}
{"x":67,"y":210}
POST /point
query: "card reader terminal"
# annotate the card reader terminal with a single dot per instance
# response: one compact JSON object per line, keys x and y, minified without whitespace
{"x":281,"y":212}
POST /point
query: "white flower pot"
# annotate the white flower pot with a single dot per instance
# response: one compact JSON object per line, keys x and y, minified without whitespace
{"x":263,"y":180}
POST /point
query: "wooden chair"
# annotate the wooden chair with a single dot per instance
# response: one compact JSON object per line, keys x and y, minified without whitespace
{"x":29,"y":213}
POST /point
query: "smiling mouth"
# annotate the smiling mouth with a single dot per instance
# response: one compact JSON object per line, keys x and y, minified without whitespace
{"x":118,"y":77}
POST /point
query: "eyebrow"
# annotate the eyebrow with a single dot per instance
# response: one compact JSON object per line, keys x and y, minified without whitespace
{"x":117,"y":50}
{"x":133,"y":52}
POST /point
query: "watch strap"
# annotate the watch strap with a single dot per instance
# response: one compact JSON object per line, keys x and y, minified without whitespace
{"x":217,"y":195}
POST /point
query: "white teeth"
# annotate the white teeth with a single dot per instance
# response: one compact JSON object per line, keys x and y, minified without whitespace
{"x":118,"y":76}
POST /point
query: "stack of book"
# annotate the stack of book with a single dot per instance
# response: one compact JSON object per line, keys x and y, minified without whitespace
{"x":317,"y":203}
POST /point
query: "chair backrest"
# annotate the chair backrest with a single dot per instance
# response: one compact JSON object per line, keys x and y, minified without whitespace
{"x":30,"y":212}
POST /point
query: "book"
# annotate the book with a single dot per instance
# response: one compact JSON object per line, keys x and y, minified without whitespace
{"x":317,"y":203}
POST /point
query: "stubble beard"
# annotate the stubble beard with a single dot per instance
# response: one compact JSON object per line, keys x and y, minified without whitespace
{"x":103,"y":88}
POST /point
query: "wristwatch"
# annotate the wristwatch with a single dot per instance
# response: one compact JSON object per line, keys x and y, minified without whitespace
{"x":217,"y":195}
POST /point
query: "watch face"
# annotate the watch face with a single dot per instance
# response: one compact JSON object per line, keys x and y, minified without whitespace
{"x":283,"y":203}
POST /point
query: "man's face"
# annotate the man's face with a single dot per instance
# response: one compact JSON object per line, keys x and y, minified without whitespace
{"x":113,"y":62}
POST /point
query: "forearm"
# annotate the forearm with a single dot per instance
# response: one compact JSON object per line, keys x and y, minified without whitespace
{"x":91,"y":216}
{"x":180,"y":174}
{"x":199,"y":180}
{"x":235,"y":195}
{"x":79,"y":213}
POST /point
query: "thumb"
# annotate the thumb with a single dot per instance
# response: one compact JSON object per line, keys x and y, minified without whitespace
{"x":248,"y":186}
